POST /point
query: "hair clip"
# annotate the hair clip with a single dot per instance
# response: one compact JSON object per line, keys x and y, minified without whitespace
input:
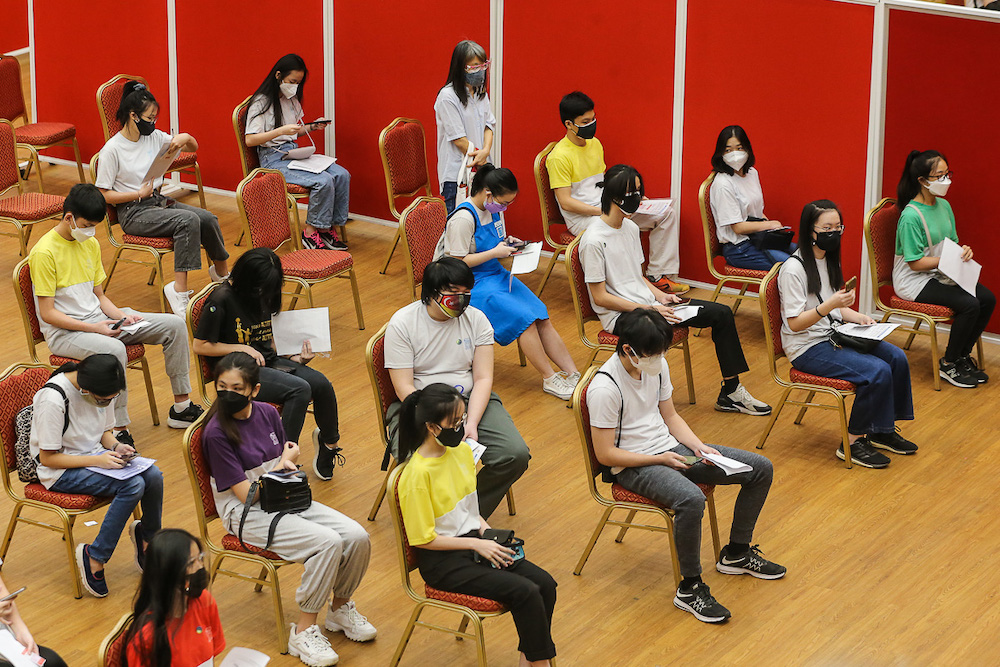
{"x":139,"y":86}
{"x":601,"y":184}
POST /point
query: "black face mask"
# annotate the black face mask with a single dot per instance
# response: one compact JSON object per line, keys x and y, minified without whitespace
{"x":145,"y":127}
{"x":630,"y":203}
{"x":197,"y":583}
{"x":587,"y":131}
{"x":828,"y":241}
{"x":450,"y":437}
{"x":231,"y":402}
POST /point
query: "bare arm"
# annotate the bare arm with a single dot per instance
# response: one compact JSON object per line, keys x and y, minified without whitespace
{"x":499,"y":251}
{"x":488,"y":549}
{"x":204,"y":348}
{"x":680,"y":430}
{"x":51,"y":315}
{"x":924,"y":263}
{"x":751,"y":227}
{"x":259,"y":138}
{"x":482,"y":387}
{"x":402,"y":382}
{"x":108,"y":459}
{"x":567,"y":203}
{"x":462,"y":144}
{"x":839,"y":299}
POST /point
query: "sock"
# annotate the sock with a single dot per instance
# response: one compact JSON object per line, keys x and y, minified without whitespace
{"x":730,"y":385}
{"x":181,"y":406}
{"x":687,"y":583}
{"x":736,"y":549}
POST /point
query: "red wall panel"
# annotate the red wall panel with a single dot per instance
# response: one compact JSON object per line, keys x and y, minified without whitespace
{"x":802,"y":95}
{"x":391,"y":63}
{"x":625,"y":66}
{"x":69,"y":70}
{"x":215,"y":74}
{"x":14,"y":34}
{"x":949,"y":113}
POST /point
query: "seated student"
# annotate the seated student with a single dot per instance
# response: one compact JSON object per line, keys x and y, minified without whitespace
{"x":175,"y":621}
{"x":809,"y":309}
{"x":243,"y":440}
{"x":71,"y":432}
{"x":576,"y":169}
{"x":476,"y":235}
{"x":738,"y":203}
{"x":639,"y":435}
{"x":15,"y":625}
{"x":142,"y":210}
{"x":612,"y":259}
{"x":78,"y":319}
{"x":237,"y":318}
{"x":437,"y":498}
{"x":442,"y":339}
{"x":274,"y":122}
{"x":925,"y":221}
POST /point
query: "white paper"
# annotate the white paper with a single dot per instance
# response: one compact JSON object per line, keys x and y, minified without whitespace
{"x":291,"y":328}
{"x":161,"y":163}
{"x":242,"y":657}
{"x":89,"y":523}
{"x":685,"y":313}
{"x":526,"y":260}
{"x":315,"y":163}
{"x":728,"y":465}
{"x":869,"y":331}
{"x":13,"y":651}
{"x":477,"y":449}
{"x":131,"y":469}
{"x":966,"y":274}
{"x":132,"y":328}
{"x":655,"y":207}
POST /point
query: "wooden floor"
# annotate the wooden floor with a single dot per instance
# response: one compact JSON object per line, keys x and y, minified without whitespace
{"x":891,"y":567}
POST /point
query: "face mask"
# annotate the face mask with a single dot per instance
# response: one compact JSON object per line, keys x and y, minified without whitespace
{"x":231,"y":402}
{"x":450,"y":437}
{"x":495,"y":207}
{"x":630,"y":203}
{"x":939,"y":188}
{"x":289,"y":90}
{"x":145,"y":127}
{"x":588,"y":131}
{"x":453,"y":305}
{"x":476,"y":79}
{"x":735,"y":159}
{"x":647,"y":365}
{"x":81,"y":233}
{"x":93,"y":400}
{"x":828,"y":241}
{"x":197,"y":583}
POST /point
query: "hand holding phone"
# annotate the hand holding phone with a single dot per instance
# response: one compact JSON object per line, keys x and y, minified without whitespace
{"x":691,"y":460}
{"x":851,"y":284}
{"x":14,"y":594}
{"x":117,"y":325}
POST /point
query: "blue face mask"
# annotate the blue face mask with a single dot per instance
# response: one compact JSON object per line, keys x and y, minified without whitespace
{"x":476,"y":79}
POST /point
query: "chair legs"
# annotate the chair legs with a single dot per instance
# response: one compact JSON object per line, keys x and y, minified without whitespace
{"x":774,"y":417}
{"x":381,"y":491}
{"x":407,"y":633}
{"x":548,"y":269}
{"x":388,"y":258}
{"x":689,"y":372}
{"x":593,"y":540}
{"x":739,"y":299}
{"x":520,"y":355}
{"x":268,"y":576}
{"x":201,"y":190}
{"x":511,"y":509}
{"x":840,"y":407}
{"x":79,"y":162}
{"x":357,"y":299}
{"x":156,"y":270}
{"x":144,"y":367}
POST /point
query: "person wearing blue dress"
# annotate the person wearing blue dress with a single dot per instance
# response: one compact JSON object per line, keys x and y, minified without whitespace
{"x":476,"y":234}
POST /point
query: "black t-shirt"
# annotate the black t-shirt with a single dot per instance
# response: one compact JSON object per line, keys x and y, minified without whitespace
{"x":224,"y":319}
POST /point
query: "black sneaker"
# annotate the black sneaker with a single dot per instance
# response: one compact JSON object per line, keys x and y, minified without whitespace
{"x":125,"y":438}
{"x":331,"y":239}
{"x":135,"y":533}
{"x":741,"y":401}
{"x":184,"y":418}
{"x":699,"y":601}
{"x":93,"y":581}
{"x":893,"y":442}
{"x":970,"y":368}
{"x":314,"y":242}
{"x":864,"y":455}
{"x":752,"y":563}
{"x":954,"y":374}
{"x":325,"y":459}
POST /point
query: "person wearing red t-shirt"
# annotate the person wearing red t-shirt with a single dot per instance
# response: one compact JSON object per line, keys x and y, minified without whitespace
{"x":176,"y":621}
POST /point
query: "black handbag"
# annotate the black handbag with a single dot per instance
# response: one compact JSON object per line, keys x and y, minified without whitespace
{"x":281,"y":492}
{"x":771,"y":239}
{"x":842,"y":340}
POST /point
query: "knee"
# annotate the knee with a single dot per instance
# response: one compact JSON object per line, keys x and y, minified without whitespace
{"x":188,"y":222}
{"x":153,"y":478}
{"x":133,"y":487}
{"x":357,"y":539}
{"x":987,"y":300}
{"x":691,"y":504}
{"x":721,"y":316}
{"x":763,"y":469}
{"x":298,"y":392}
{"x":207,"y":219}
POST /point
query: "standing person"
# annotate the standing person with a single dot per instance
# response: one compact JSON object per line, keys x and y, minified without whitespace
{"x":440,"y":508}
{"x":175,"y":621}
{"x":648,"y":446}
{"x":464,"y":119}
{"x":925,"y":221}
{"x":274,"y":122}
{"x":738,"y":203}
{"x":576,"y":169}
{"x":813,"y":300}
{"x":476,"y":234}
{"x":142,"y":210}
{"x":15,"y":625}
{"x":71,"y":431}
{"x":237,"y":318}
{"x":243,"y":440}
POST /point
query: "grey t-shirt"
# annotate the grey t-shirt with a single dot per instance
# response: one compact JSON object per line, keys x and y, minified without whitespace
{"x":455,"y":121}
{"x":795,"y":300}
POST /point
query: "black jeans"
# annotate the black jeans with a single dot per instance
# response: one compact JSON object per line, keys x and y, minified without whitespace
{"x":972,"y":314}
{"x":52,"y":658}
{"x":293,"y":391}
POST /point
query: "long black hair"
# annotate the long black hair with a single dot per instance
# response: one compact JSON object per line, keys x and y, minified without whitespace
{"x":429,"y":405}
{"x":100,"y":374}
{"x":256,"y":279}
{"x":270,"y":88}
{"x":618,"y":182}
{"x":500,"y":181}
{"x":919,"y":164}
{"x":463,"y":52}
{"x":810,"y":214}
{"x":718,"y":164}
{"x":135,"y":98}
{"x":247,"y":367}
{"x":164,"y":580}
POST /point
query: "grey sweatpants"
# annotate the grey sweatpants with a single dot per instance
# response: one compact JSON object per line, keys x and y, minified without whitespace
{"x":333,"y":548}
{"x":189,"y":226}
{"x":165,"y":330}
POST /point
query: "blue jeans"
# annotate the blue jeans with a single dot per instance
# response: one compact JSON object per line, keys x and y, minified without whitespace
{"x":449,"y":191}
{"x":329,"y":191}
{"x":146,"y":487}
{"x":745,"y":255}
{"x":882,"y":378}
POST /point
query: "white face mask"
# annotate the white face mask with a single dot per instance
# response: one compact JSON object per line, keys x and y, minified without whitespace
{"x":735,"y":159}
{"x":939,"y":188}
{"x":289,"y":90}
{"x":81,"y":233}
{"x":647,"y":365}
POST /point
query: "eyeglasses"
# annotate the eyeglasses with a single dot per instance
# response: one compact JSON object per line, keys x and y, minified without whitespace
{"x":947,"y":175}
{"x":838,"y":228}
{"x":99,"y":402}
{"x":199,"y":559}
{"x":478,"y":68}
{"x":460,"y":424}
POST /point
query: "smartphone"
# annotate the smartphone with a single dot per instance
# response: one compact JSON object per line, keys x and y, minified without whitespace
{"x":22,"y":589}
{"x":691,"y":460}
{"x":321,"y":120}
{"x":851,"y":284}
{"x":117,"y":325}
{"x":682,"y":302}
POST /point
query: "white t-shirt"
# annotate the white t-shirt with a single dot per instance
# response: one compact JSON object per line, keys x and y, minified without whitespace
{"x":124,"y":163}
{"x":614,"y":257}
{"x":454,"y":122}
{"x":436,"y":351}
{"x":643,"y":429}
{"x":734,"y":199}
{"x":260,"y":121}
{"x":87,"y":424}
{"x":795,"y":300}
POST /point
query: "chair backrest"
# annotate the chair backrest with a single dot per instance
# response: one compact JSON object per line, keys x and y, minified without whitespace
{"x":18,"y":385}
{"x":195,"y":305}
{"x":25,"y":293}
{"x":248,"y":155}
{"x":578,"y":287}
{"x":10,"y":174}
{"x":112,"y":649}
{"x":551,"y":215}
{"x":264,"y":204}
{"x":582,"y":413}
{"x":421,"y":226}
{"x":407,"y":553}
{"x":770,"y":310}
{"x":111,"y":213}
{"x":404,"y":160}
{"x":385,"y":394}
{"x":11,"y":93}
{"x":880,"y":238}
{"x":109,"y":98}
{"x":198,"y":473}
{"x":712,"y":247}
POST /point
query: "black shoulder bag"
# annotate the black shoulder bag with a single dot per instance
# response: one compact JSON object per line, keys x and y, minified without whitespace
{"x":841,"y":340}
{"x":771,"y":239}
{"x":281,"y":492}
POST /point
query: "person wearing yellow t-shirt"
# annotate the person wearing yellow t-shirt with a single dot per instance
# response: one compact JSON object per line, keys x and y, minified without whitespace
{"x":576,"y":172}
{"x":77,"y":319}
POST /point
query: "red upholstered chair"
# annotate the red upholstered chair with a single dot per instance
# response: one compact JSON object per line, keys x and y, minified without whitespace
{"x":623,"y":499}
{"x":203,"y":370}
{"x":18,"y":385}
{"x":473,"y":609}
{"x":404,"y":161}
{"x":880,"y":239}
{"x":249,"y":161}
{"x":264,"y":203}
{"x":421,"y":226}
{"x":32,"y":137}
{"x":23,"y":289}
{"x":607,"y":341}
{"x":109,"y":98}
{"x":23,"y":210}
{"x":229,"y":546}
{"x":554,"y":227}
{"x":112,"y":648}
{"x":838,"y":390}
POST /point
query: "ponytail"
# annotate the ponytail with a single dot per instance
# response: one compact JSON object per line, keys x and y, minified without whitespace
{"x":918,"y":165}
{"x":247,"y":367}
{"x":135,"y":97}
{"x":500,"y":181}
{"x":431,"y":404}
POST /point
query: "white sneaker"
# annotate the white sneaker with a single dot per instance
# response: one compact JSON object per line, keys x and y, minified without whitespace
{"x":348,"y":619}
{"x":214,"y":275}
{"x":741,"y":401}
{"x":558,"y":386}
{"x":178,"y":300}
{"x":573,"y":378}
{"x":311,"y":647}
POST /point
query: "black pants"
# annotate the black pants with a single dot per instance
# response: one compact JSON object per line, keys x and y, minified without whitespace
{"x":293,"y":391}
{"x":52,"y":658}
{"x":972,"y":314}
{"x":524,"y":588}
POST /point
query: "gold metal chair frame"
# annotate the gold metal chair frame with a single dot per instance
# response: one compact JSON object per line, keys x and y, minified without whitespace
{"x":918,"y":317}
{"x":22,"y":227}
{"x":558,"y":248}
{"x":190,"y":325}
{"x":116,"y":632}
{"x":393,"y":196}
{"x":610,"y":505}
{"x":406,"y":244}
